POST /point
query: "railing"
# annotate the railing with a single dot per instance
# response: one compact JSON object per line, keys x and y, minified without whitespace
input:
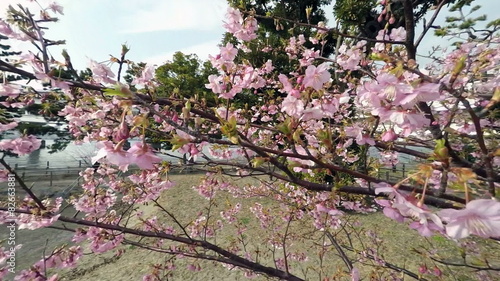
{"x":52,"y":165}
{"x":62,"y":181}
{"x":395,"y":173}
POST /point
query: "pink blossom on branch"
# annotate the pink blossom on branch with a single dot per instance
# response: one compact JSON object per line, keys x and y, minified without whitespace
{"x":102,"y":73}
{"x":243,"y":29}
{"x":56,"y":8}
{"x":8,"y":126}
{"x":21,"y":146}
{"x":228,"y":52}
{"x":143,"y":156}
{"x":5,"y":28}
{"x":10,"y":90}
{"x":402,"y":205}
{"x":147,"y":75}
{"x":316,"y":77}
{"x":114,"y":155}
{"x":480,"y":217}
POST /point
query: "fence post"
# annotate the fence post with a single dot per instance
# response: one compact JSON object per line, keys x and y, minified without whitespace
{"x":48,"y":165}
{"x":79,"y":163}
{"x":50,"y":177}
{"x":15,"y":166}
{"x":404,"y":170}
{"x":387,"y":175}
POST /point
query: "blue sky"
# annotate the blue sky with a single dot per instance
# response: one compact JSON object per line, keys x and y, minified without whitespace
{"x":153,"y":29}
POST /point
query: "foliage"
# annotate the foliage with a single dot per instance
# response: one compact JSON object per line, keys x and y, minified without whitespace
{"x":185,"y":76}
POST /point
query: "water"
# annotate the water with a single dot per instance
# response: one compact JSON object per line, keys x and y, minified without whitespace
{"x":74,"y":155}
{"x":79,"y":155}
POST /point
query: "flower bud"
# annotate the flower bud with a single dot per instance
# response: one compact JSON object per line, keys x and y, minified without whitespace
{"x":185,"y":113}
{"x":422,"y":269}
{"x":436,"y":271}
{"x":122,"y":133}
{"x":389,"y":135}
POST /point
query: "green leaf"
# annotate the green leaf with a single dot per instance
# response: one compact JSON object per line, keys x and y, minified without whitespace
{"x":452,"y":19}
{"x":120,"y":90}
{"x":475,"y":8}
{"x":440,"y":32}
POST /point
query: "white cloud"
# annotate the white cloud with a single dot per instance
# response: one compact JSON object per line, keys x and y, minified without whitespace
{"x":174,"y":15}
{"x":201,"y":50}
{"x":4,"y":5}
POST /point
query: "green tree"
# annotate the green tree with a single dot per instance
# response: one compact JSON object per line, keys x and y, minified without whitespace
{"x":275,"y":33}
{"x":5,"y":53}
{"x":185,"y":76}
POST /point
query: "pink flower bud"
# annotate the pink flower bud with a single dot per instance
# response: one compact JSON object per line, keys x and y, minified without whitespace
{"x":423,"y":269}
{"x":122,"y":133}
{"x":389,"y":135}
{"x":392,"y":20}
{"x":437,"y":271}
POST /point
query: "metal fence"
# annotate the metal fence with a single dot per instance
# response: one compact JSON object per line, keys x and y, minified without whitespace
{"x":396,"y":172}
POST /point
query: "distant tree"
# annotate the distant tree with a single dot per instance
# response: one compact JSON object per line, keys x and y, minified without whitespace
{"x":6,"y":52}
{"x":134,"y":70}
{"x":185,"y":76}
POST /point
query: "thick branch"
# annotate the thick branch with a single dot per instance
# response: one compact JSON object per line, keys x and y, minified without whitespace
{"x":256,"y":267}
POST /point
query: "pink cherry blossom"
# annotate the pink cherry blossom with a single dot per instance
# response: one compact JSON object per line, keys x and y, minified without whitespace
{"x":102,"y":73}
{"x":292,"y":106}
{"x":228,"y":52}
{"x":56,"y":8}
{"x":5,"y":28}
{"x":425,"y":92}
{"x":21,"y":146}
{"x":480,"y":217}
{"x":332,"y":212}
{"x":312,"y":113}
{"x":243,"y":29}
{"x":287,"y":86}
{"x":143,"y":156}
{"x":404,"y":205}
{"x":398,"y":34}
{"x":316,"y":77}
{"x":349,"y":59}
{"x":357,"y":133}
{"x":147,"y":74}
{"x":215,"y":84}
{"x":8,"y":126}
{"x":114,"y":155}
{"x":10,"y":90}
{"x":389,"y":135}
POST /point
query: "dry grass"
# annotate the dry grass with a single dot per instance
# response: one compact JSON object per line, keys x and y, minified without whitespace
{"x":398,"y":248}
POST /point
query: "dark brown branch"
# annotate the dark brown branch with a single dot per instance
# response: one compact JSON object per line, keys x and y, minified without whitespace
{"x":23,"y":185}
{"x":390,"y":265}
{"x":341,"y":252}
{"x":430,"y":22}
{"x":256,"y":267}
{"x":332,"y":30}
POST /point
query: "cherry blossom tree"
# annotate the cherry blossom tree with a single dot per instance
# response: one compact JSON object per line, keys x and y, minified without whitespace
{"x":372,"y":95}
